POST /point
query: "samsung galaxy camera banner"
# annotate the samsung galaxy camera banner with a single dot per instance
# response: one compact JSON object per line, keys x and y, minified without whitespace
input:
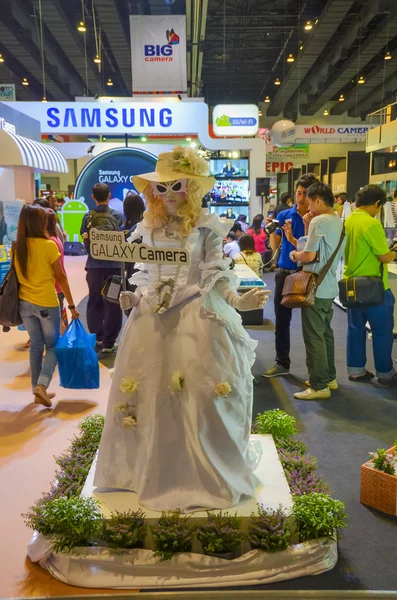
{"x":158,"y":54}
{"x":111,"y":245}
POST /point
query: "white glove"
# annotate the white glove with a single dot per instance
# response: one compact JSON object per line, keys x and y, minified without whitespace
{"x":250,"y":300}
{"x":129,"y":300}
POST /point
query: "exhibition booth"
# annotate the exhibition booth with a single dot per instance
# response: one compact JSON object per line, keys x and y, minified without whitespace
{"x":236,"y":162}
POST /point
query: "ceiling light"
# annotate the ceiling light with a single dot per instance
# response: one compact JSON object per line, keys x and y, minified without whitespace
{"x":277,"y":82}
{"x":109,"y":82}
{"x":308,"y":26}
{"x":260,"y":113}
{"x":143,"y":138}
{"x":1,"y":58}
{"x":188,"y":139}
{"x":387,"y":56}
{"x":97,"y":60}
{"x":193,"y":145}
{"x":316,"y":21}
{"x":326,"y":113}
{"x":235,"y":154}
{"x":361,"y":79}
{"x":341,"y":98}
{"x":290,"y":58}
{"x":25,"y":81}
{"x":44,"y":99}
{"x":267,"y":99}
{"x":301,"y":47}
{"x":81,"y":27}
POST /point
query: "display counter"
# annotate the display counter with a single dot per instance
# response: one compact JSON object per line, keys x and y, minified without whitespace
{"x":248,"y":281}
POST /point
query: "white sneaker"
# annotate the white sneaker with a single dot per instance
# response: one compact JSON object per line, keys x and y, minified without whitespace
{"x":310,"y":394}
{"x":333,"y":385}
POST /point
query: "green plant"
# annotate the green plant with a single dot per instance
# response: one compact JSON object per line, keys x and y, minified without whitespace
{"x":269,"y":530}
{"x":69,"y":522}
{"x":383,"y":461}
{"x":318,"y":515}
{"x":277,"y":422}
{"x":124,"y":530}
{"x":291,"y":445}
{"x":173,"y":533}
{"x":90,"y":434}
{"x":220,"y":533}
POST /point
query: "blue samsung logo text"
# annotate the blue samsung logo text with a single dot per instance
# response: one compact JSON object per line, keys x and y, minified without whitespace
{"x":95,"y":118}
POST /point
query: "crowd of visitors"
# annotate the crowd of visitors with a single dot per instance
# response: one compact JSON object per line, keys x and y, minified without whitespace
{"x":311,"y":234}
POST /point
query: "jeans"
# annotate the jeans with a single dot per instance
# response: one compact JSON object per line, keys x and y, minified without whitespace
{"x":319,"y":342}
{"x":381,"y":321}
{"x":283,"y":322}
{"x":103,"y":318}
{"x":43,"y":326}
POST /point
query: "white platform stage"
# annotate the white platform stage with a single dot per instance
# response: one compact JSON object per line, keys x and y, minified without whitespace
{"x":98,"y":567}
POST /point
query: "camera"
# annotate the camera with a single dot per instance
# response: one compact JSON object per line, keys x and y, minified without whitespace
{"x":271,"y":227}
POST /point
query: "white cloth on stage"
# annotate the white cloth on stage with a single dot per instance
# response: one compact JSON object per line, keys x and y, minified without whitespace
{"x":189,"y":449}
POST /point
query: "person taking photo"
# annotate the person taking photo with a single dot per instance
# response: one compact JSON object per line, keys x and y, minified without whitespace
{"x":324,"y":237}
{"x":292,"y":224}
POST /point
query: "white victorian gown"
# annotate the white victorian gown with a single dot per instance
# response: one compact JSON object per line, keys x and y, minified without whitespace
{"x":183,"y":445}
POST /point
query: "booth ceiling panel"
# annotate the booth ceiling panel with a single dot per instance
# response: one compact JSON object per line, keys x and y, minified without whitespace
{"x":331,"y":18}
{"x":373,"y":44}
{"x":236,"y":49}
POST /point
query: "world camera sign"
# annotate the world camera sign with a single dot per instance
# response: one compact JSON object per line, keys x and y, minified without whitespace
{"x":158,"y":53}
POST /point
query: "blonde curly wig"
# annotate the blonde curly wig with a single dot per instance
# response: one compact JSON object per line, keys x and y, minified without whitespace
{"x":156,"y":214}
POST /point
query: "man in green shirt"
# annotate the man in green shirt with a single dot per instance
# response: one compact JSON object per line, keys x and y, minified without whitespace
{"x":367,"y":254}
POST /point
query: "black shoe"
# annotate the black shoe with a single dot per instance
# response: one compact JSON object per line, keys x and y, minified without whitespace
{"x":390,"y":382}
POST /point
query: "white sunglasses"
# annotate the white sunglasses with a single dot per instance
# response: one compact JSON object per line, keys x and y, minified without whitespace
{"x":160,"y":189}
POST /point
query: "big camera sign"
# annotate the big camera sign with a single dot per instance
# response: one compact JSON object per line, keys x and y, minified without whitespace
{"x":158,"y":52}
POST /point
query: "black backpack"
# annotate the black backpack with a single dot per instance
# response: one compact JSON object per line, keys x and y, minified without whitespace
{"x":102,"y":220}
{"x":9,"y":300}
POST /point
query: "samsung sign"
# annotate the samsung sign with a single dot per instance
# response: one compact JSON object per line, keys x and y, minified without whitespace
{"x":135,"y":118}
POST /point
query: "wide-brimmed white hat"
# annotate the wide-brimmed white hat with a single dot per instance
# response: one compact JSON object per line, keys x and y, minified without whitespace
{"x":181,"y":163}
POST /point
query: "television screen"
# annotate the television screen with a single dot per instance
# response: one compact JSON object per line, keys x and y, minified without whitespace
{"x":230,"y":190}
{"x":220,"y":167}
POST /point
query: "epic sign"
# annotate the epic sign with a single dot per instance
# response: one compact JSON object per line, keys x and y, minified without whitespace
{"x":278,"y":167}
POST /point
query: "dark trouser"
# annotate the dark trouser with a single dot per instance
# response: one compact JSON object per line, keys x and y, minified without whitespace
{"x":319,"y":342}
{"x":103,"y":318}
{"x":283,"y":322}
{"x":381,"y":321}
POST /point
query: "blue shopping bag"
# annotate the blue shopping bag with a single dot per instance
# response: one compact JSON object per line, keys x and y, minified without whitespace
{"x":77,"y":360}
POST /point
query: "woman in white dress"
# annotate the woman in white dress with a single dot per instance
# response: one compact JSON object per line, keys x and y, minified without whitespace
{"x":179,"y":415}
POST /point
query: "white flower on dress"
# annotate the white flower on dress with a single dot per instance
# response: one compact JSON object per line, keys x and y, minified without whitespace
{"x":223,"y":389}
{"x":129,"y":422}
{"x":121,"y":408}
{"x":177,"y":381}
{"x":128,"y":385}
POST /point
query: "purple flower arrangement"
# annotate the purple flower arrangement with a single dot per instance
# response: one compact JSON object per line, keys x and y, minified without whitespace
{"x":173,"y":533}
{"x":270,"y":530}
{"x":124,"y":530}
{"x":383,"y":461}
{"x":220,"y":533}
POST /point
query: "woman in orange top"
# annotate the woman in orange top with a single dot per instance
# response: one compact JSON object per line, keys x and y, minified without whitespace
{"x":38,"y":266}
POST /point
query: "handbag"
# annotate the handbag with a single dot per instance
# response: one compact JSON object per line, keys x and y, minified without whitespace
{"x":299,"y":290}
{"x":362,"y":292}
{"x":9,"y":297}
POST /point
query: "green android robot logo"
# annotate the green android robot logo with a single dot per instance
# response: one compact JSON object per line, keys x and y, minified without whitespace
{"x":71,"y":217}
{"x":223,"y":121}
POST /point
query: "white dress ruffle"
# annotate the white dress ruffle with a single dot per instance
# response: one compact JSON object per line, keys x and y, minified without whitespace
{"x":189,"y":448}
